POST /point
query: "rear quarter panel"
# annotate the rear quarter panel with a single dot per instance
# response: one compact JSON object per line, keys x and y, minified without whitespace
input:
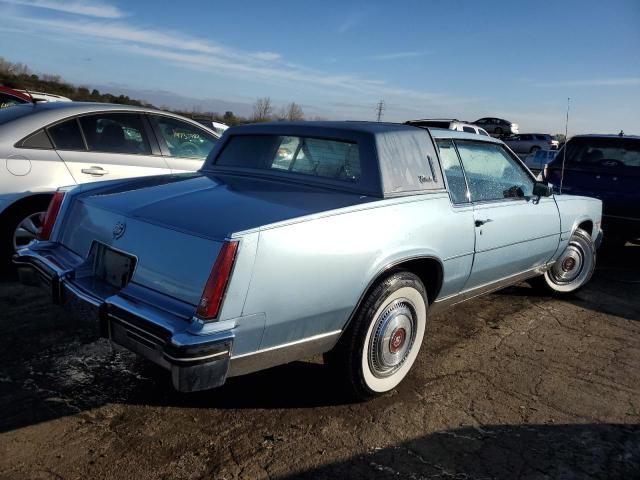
{"x":309,"y":276}
{"x":24,"y":171}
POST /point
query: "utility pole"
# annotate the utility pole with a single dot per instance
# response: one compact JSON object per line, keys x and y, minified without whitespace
{"x":380,"y":108}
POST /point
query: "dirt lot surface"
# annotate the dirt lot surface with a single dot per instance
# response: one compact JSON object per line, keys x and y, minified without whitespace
{"x":513,"y":385}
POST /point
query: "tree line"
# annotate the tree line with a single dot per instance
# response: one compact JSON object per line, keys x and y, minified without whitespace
{"x":19,"y":76}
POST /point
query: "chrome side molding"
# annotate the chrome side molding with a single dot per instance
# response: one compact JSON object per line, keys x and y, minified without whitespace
{"x":285,"y":353}
{"x":451,"y":300}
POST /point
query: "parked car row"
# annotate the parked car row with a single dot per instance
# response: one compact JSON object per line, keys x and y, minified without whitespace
{"x":363,"y":227}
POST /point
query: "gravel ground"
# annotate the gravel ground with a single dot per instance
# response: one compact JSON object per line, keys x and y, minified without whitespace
{"x":512,"y":385}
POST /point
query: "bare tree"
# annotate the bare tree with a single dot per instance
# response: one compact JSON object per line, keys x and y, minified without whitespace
{"x":293,"y":112}
{"x":13,"y":68}
{"x":5,"y":65}
{"x":262,"y":110}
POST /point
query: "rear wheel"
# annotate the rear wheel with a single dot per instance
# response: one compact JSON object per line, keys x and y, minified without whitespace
{"x":382,"y":342}
{"x":574,"y":268}
{"x":20,"y":226}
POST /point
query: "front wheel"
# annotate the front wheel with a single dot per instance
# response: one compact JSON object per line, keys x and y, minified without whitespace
{"x":382,"y":342}
{"x":575,"y":266}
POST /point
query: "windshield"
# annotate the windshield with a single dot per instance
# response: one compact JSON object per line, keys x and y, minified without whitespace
{"x":16,"y":111}
{"x":317,"y":157}
{"x":606,"y":152}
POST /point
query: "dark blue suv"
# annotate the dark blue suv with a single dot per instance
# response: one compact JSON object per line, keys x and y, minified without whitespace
{"x":606,"y":167}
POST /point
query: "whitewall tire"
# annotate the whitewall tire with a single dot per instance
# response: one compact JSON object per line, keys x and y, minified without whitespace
{"x":382,"y":342}
{"x":573,"y":268}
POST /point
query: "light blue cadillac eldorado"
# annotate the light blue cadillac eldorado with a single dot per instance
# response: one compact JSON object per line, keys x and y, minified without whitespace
{"x":296,"y":239}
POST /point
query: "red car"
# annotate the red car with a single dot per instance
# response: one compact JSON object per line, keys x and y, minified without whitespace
{"x":10,"y":97}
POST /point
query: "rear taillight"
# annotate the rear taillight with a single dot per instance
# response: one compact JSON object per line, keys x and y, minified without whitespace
{"x":51,"y":216}
{"x":216,"y":286}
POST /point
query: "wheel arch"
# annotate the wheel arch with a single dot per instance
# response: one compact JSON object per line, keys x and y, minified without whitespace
{"x":586,"y":225}
{"x":428,"y":268}
{"x":22,"y":201}
{"x":584,"y":222}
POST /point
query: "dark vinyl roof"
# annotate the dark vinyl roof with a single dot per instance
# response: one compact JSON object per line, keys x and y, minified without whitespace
{"x":314,"y":127}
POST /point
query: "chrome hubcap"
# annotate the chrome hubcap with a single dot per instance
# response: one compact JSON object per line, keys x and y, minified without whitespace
{"x":393,"y":336}
{"x":569,"y":265}
{"x":27,"y":230}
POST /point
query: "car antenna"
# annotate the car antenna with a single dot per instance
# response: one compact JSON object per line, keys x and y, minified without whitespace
{"x":33,"y":100}
{"x":566,"y":142}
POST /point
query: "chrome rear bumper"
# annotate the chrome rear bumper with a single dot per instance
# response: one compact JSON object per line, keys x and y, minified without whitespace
{"x":196,"y":361}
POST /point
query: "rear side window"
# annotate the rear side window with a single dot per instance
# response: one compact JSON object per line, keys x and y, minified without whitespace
{"x":66,"y":135}
{"x":453,"y":171}
{"x":115,"y":133}
{"x":37,"y":140}
{"x":339,"y":160}
{"x":183,"y":139}
{"x":492,"y":173}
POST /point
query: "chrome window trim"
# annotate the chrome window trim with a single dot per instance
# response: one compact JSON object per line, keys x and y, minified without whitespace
{"x":444,"y":175}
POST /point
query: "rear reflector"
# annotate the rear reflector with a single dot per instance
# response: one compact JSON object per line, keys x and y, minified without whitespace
{"x":214,"y":290}
{"x":50,"y":216}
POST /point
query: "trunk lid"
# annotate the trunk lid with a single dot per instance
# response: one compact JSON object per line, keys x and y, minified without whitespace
{"x":174,"y":225}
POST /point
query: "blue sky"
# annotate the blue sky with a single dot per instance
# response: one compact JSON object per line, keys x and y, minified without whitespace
{"x":518,"y":60}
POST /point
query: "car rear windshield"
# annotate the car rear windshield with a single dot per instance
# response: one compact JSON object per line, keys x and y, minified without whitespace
{"x":606,"y":152}
{"x":15,"y":112}
{"x":334,"y":159}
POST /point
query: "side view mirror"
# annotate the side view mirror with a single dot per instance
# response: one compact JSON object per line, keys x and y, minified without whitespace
{"x":542,"y":189}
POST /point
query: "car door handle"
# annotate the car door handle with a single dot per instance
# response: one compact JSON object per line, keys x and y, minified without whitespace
{"x":479,"y":223}
{"x":98,"y":171}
